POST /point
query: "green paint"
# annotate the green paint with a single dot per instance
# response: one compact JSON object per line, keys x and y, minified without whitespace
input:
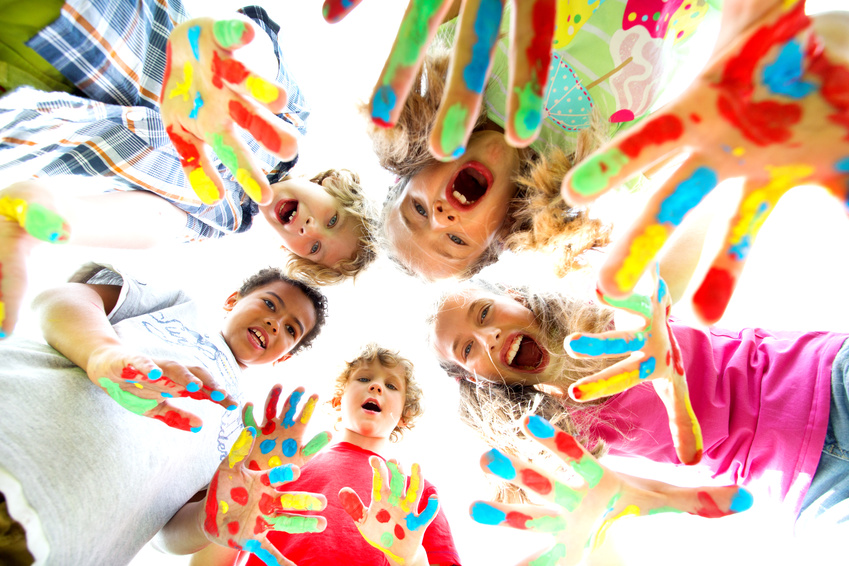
{"x":131,"y":402}
{"x":664,"y":510}
{"x":225,"y":153}
{"x":634,"y":303}
{"x":386,"y":540}
{"x":412,"y":36}
{"x":228,"y":32}
{"x":294,"y":524}
{"x":396,"y":484}
{"x":592,"y":176}
{"x":454,"y":129}
{"x":249,"y":417}
{"x":528,"y":116}
{"x":552,"y":557}
{"x":567,"y":497}
{"x":547,"y":524}
{"x":318,"y":442}
{"x":588,"y":469}
{"x":44,"y":224}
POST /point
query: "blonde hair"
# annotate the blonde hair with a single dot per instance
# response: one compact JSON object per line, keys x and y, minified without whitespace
{"x":389,"y":359}
{"x":344,"y":186}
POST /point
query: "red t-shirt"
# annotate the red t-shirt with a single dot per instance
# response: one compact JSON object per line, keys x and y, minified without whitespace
{"x":346,"y":465}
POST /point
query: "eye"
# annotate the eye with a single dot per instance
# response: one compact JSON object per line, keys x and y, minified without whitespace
{"x":291,"y":330}
{"x":484,"y":312}
{"x":420,"y":209}
{"x":392,"y":386}
{"x":315,"y":247}
{"x":363,"y":379}
{"x":333,"y":221}
{"x":269,"y":304}
{"x":456,"y":240}
{"x":466,"y":351}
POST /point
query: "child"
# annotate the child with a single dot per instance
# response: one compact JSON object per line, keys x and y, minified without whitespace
{"x":377,"y":399}
{"x":90,"y":481}
{"x":762,"y":397}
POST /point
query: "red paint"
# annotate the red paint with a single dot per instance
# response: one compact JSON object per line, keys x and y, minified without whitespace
{"x":662,"y":129}
{"x":188,"y":152}
{"x":536,"y":481}
{"x":517,"y":520}
{"x":233,"y":527}
{"x":695,"y":118}
{"x":228,"y":70}
{"x":675,"y":351}
{"x":175,"y":420}
{"x":239,"y":495}
{"x":129,"y":372}
{"x":764,"y":123}
{"x":710,"y":300}
{"x":254,"y":465}
{"x":352,"y":505}
{"x":568,"y":445}
{"x":262,"y":525}
{"x":399,"y":532}
{"x":834,"y":84}
{"x":261,"y":130}
{"x":382,"y":123}
{"x":576,"y":393}
{"x":210,"y":524}
{"x":383,"y":516}
{"x":264,"y":480}
{"x":334,"y":10}
{"x":269,"y":505}
{"x":233,"y":544}
{"x":539,"y":51}
{"x":709,"y":507}
{"x":271,"y":411}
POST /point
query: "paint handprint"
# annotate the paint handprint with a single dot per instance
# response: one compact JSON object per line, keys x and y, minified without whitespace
{"x":242,"y":505}
{"x":206,"y":92}
{"x":588,"y":503}
{"x":144,"y":386}
{"x":772,"y":108}
{"x":391,"y":523}
{"x":655,"y":357}
{"x":279,"y":440}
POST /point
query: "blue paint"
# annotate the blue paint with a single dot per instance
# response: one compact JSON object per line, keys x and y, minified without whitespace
{"x":166,"y":395}
{"x":784,"y":76}
{"x":255,"y":547}
{"x":647,"y":368}
{"x":382,"y":103}
{"x":458,"y":152}
{"x":196,"y":429}
{"x":216,"y":396}
{"x":740,"y":250}
{"x":742,"y":501}
{"x":842,"y":166}
{"x":486,"y":514}
{"x":687,"y":195}
{"x":282,"y":473}
{"x":414,"y":523}
{"x":154,"y":374}
{"x":289,"y":447}
{"x":540,"y":427}
{"x":289,"y":417}
{"x":231,"y":407}
{"x":197,"y":106}
{"x":661,"y":286}
{"x":2,"y":334}
{"x":194,"y":37}
{"x":267,"y":446}
{"x":500,"y":465}
{"x":589,"y":346}
{"x":487,"y":23}
{"x":192,"y":387}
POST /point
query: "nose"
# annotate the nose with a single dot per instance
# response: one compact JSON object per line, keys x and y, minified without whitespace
{"x":375,"y":387}
{"x":488,"y":337}
{"x":443,"y":215}
{"x":308,"y":226}
{"x":272,"y":326}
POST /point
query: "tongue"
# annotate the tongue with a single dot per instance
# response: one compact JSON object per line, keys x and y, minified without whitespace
{"x":470,"y":184}
{"x":529,"y":354}
{"x":286,"y":210}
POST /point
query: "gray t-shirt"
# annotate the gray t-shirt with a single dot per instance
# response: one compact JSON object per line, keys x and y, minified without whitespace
{"x":90,"y":481}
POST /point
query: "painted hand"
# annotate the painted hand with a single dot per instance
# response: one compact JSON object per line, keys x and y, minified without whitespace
{"x":655,"y":357}
{"x":206,"y":92}
{"x":279,"y":439}
{"x":144,"y":386}
{"x":391,"y":523}
{"x":241,"y":505}
{"x":588,"y":503}
{"x":773,"y":108}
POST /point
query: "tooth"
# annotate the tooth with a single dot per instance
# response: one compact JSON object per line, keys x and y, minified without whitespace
{"x":459,"y":196}
{"x":513,"y":349}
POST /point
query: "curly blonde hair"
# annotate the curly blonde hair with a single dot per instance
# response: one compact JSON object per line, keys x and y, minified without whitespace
{"x":389,"y":359}
{"x":344,"y":186}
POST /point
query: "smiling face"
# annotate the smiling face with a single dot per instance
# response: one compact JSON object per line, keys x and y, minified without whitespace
{"x":267,"y":323}
{"x":493,"y":337}
{"x":372,"y":404}
{"x":449,"y":213}
{"x":311,"y":222}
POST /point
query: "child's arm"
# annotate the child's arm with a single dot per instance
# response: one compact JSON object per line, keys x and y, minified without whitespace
{"x":585,"y":508}
{"x":207,"y":91}
{"x":773,"y":107}
{"x":74,"y":321}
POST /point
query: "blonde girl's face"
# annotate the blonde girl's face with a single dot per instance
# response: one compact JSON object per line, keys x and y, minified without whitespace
{"x":493,"y":337}
{"x":449,"y":213}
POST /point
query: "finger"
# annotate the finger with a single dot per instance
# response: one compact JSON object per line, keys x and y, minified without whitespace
{"x":631,"y":255}
{"x":525,"y":517}
{"x":614,"y":379}
{"x":470,"y":63}
{"x":248,"y":415}
{"x":290,"y":408}
{"x":416,"y":31}
{"x":683,"y":423}
{"x":315,"y":445}
{"x":421,"y":521}
{"x":565,"y":447}
{"x":414,"y":490}
{"x":622,"y":158}
{"x":297,"y":524}
{"x":270,"y":423}
{"x":237,"y":158}
{"x":396,"y":483}
{"x":240,"y":449}
{"x":273,"y":133}
{"x":352,"y":505}
{"x":266,"y":552}
{"x":202,"y":176}
{"x":604,"y":345}
{"x":197,"y":383}
{"x":710,"y":502}
{"x":174,"y":417}
{"x":531,"y":37}
{"x":39,"y":221}
{"x":335,"y":10}
{"x":232,"y":34}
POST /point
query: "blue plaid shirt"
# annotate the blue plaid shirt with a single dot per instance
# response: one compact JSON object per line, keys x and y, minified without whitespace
{"x":114,"y":52}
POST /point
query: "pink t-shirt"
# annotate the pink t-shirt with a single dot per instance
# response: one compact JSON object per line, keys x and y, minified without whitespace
{"x":762,"y":399}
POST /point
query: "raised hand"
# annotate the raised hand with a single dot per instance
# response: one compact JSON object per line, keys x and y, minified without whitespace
{"x":206,"y":91}
{"x":241,"y":505}
{"x":144,"y":386}
{"x":655,"y":357}
{"x":279,"y":440}
{"x":588,"y":503}
{"x":772,"y":107}
{"x":390,"y":523}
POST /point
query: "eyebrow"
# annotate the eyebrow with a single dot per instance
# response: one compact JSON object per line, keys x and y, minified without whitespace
{"x":283,"y":306}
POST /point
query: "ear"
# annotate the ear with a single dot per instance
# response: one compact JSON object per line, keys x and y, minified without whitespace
{"x":281,"y":359}
{"x":231,"y":301}
{"x":470,"y":378}
{"x":336,"y":402}
{"x":284,"y":248}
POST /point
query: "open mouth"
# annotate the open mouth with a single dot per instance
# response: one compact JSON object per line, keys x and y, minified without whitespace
{"x":371,"y":405}
{"x":469,"y":185}
{"x":524,"y":354}
{"x":287,"y":210}
{"x":258,"y":338}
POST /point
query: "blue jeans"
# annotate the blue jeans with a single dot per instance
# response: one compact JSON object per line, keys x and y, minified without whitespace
{"x":827,"y":501}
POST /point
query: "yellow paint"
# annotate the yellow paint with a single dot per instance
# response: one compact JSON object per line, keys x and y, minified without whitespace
{"x":738,"y":151}
{"x":241,"y":447}
{"x":223,"y":507}
{"x":697,"y":429}
{"x":609,"y":386}
{"x":139,"y":385}
{"x":394,"y":557}
{"x":602,"y":530}
{"x":14,"y":209}
{"x":409,"y":502}
{"x":565,"y":26}
{"x":686,"y":19}
{"x":376,"y":486}
{"x":306,"y":415}
{"x":261,"y":89}
{"x":203,"y":186}
{"x":183,"y":89}
{"x":274,"y":461}
{"x":300,"y":502}
{"x":643,"y":249}
{"x":243,"y":177}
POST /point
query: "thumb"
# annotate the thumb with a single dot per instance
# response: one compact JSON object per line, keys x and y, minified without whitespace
{"x":352,"y":504}
{"x":232,"y":34}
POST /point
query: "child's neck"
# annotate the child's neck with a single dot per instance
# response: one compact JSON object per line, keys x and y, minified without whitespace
{"x":374,"y":444}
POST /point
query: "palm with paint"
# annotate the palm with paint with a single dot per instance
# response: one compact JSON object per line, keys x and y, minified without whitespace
{"x":392,"y":522}
{"x":585,"y":503}
{"x":206,"y":92}
{"x":772,"y":107}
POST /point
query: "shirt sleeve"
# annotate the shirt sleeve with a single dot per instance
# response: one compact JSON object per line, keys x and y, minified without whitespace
{"x":438,"y":541}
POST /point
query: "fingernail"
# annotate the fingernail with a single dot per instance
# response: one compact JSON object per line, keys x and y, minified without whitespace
{"x":154,"y":374}
{"x":192,"y":387}
{"x":486,"y":514}
{"x":216,"y":396}
{"x":540,"y":427}
{"x":742,"y":501}
{"x":500,"y":465}
{"x":231,"y":407}
{"x":196,"y":429}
